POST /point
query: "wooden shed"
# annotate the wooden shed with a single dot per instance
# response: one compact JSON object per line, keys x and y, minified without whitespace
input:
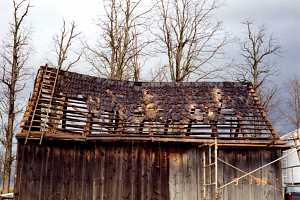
{"x":90,"y":138}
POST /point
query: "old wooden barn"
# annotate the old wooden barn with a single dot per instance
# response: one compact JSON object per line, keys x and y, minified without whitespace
{"x":90,"y":138}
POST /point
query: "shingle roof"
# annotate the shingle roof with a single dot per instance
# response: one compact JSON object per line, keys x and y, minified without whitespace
{"x":87,"y":105}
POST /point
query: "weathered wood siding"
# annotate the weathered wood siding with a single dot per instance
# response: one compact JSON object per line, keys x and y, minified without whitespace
{"x":264,"y":184}
{"x":136,"y":171}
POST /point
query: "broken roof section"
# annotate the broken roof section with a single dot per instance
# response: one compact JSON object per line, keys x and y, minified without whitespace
{"x":70,"y":105}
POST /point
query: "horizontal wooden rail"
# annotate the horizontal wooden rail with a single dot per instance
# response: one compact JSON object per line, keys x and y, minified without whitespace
{"x":85,"y":105}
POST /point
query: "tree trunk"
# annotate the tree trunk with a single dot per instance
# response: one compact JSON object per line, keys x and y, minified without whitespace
{"x":8,"y":158}
{"x":13,"y":71}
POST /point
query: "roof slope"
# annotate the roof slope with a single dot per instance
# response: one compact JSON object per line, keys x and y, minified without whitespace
{"x":90,"y":106}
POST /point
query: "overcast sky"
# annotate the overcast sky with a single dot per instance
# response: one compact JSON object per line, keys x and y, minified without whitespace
{"x":280,"y":17}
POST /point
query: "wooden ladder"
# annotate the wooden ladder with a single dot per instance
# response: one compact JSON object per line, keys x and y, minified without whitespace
{"x":210,"y":170}
{"x":46,"y":84}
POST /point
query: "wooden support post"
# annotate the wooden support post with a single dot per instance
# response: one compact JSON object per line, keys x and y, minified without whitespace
{"x":116,"y":121}
{"x":88,"y":125}
{"x":238,"y":128}
{"x":64,"y":115}
{"x":166,"y":127}
{"x":188,"y":130}
{"x":214,"y":129}
{"x":141,"y":127}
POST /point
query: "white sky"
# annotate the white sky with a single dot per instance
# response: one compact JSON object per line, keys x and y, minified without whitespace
{"x":45,"y":20}
{"x":281,"y":17}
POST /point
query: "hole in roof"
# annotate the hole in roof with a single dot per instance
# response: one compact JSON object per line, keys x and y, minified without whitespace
{"x":138,"y":83}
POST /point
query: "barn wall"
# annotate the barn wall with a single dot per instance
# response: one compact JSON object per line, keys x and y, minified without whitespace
{"x":136,"y":171}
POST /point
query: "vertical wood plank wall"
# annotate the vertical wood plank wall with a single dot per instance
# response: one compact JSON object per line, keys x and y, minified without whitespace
{"x":138,"y":171}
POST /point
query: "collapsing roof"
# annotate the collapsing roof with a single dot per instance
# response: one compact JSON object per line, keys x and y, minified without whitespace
{"x":69,"y":105}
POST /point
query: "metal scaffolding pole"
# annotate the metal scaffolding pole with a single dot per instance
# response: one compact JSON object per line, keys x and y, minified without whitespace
{"x":204,"y":174}
{"x":253,"y":171}
{"x":216,"y":168}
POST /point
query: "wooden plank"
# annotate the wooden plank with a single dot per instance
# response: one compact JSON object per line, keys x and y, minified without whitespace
{"x":176,"y":175}
{"x":57,"y":176}
{"x":79,"y":161}
{"x":26,"y":173}
{"x":221,"y":175}
{"x":46,"y":191}
{"x":73,"y":175}
{"x":277,"y":176}
{"x":124,"y":162}
{"x":191,"y":175}
{"x":135,"y":172}
{"x":19,"y":184}
{"x":244,"y":183}
{"x":145,"y":172}
{"x":96,"y":182}
{"x":99,"y":171}
{"x":42,"y":164}
{"x":19,"y":166}
{"x":200,"y":172}
{"x":88,"y":174}
{"x":265,"y":143}
{"x":163,"y":171}
{"x":67,"y":171}
{"x":228,"y":174}
{"x":109,"y":166}
{"x":155,"y":172}
{"x":148,"y":182}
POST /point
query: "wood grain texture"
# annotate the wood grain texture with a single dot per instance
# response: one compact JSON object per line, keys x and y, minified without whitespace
{"x":87,"y":105}
{"x":59,"y":170}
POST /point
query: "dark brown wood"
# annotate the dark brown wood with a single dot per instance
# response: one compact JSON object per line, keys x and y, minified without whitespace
{"x":115,"y":140}
{"x":140,"y":171}
{"x":89,"y":105}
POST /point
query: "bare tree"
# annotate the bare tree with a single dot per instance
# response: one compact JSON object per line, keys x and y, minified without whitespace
{"x":14,"y":56}
{"x":189,"y":37}
{"x":63,"y":46}
{"x":2,"y":131}
{"x":256,"y":51}
{"x":292,"y":101}
{"x":135,"y":61}
{"x":160,"y":74}
{"x":117,"y":56}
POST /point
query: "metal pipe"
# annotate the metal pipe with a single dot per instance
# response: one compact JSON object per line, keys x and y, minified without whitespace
{"x":237,"y":179}
{"x":294,"y":166}
{"x":216,"y":168}
{"x":238,"y":169}
{"x":209,"y":163}
{"x":204,"y":175}
{"x":292,"y":176}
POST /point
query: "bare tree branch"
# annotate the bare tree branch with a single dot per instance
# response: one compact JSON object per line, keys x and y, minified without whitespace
{"x":14,"y":54}
{"x":292,"y":101}
{"x":63,"y":46}
{"x":256,"y":50}
{"x":160,"y":74}
{"x":188,"y":36}
{"x":118,"y":54}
